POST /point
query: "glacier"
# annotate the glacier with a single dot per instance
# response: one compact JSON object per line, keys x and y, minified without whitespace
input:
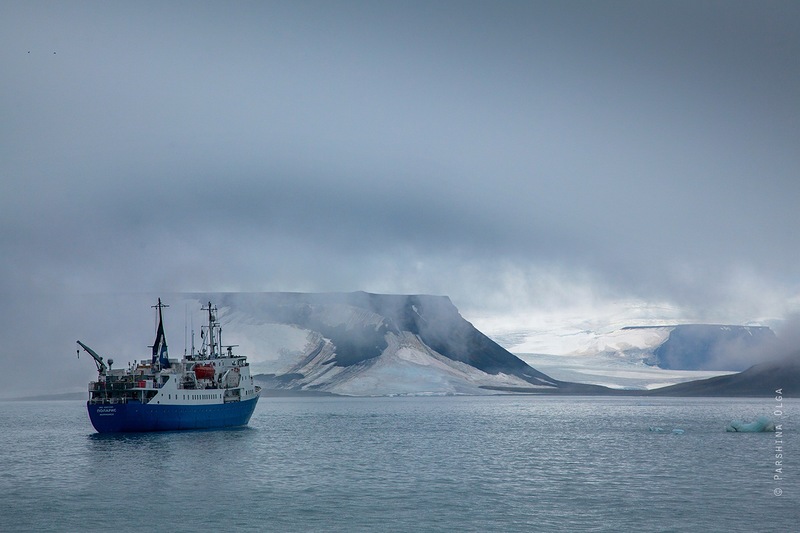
{"x":648,"y":355}
{"x":610,"y":371}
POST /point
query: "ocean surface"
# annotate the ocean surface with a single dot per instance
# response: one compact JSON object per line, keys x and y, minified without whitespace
{"x":522,"y":463}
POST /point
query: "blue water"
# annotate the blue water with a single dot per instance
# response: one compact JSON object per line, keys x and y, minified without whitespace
{"x":409,"y":464}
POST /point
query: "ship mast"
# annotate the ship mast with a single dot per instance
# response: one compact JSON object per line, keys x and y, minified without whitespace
{"x":212,"y":326}
{"x":159,"y":306}
{"x":160,"y":358}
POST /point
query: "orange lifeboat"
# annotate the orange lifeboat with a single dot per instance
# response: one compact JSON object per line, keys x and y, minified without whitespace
{"x":204,"y":371}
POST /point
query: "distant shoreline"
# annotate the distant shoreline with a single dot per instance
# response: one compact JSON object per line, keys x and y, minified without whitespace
{"x":67,"y":396}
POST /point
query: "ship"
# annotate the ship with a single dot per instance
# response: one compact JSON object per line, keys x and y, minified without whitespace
{"x":207,"y":388}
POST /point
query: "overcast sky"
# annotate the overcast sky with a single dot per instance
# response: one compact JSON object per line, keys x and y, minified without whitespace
{"x":514,"y":156}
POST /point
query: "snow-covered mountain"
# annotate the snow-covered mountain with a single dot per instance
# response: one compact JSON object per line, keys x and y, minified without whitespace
{"x":639,"y":357}
{"x":671,"y":347}
{"x":367,"y":344}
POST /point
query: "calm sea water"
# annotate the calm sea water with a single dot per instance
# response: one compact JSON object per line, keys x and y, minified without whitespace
{"x":409,"y":464}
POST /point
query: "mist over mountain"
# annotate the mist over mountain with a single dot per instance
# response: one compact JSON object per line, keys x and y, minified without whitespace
{"x":370,"y":344}
{"x":364,"y":344}
{"x":714,"y":347}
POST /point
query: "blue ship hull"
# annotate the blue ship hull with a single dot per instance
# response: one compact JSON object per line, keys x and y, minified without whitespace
{"x":135,"y":416}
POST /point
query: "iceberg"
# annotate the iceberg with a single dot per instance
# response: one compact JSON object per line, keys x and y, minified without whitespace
{"x":659,"y":429}
{"x":760,"y":425}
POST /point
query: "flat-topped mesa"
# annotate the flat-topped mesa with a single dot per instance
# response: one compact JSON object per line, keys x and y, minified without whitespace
{"x":361,"y":343}
{"x":714,"y":347}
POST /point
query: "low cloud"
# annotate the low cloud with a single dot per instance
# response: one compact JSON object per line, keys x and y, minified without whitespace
{"x":522,"y":159}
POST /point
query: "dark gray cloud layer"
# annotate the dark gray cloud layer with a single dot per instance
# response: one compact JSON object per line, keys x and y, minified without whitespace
{"x":485,"y":150}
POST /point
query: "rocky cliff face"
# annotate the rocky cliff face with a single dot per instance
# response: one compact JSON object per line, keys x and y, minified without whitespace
{"x":370,"y":344}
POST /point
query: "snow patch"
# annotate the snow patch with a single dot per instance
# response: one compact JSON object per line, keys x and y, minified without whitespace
{"x":408,"y":367}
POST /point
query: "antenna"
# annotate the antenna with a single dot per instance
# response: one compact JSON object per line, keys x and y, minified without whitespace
{"x":229,"y":348}
{"x":185,"y":325}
